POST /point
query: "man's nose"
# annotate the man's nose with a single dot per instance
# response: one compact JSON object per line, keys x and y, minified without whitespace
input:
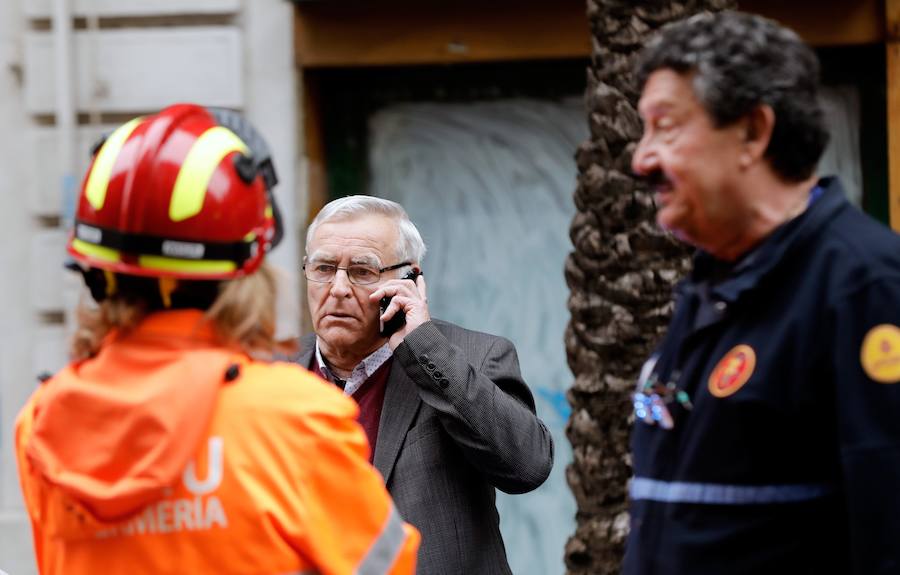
{"x":644,"y":160}
{"x":340,"y":285}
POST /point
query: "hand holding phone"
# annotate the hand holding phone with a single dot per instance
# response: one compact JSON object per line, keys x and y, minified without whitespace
{"x":390,"y":327}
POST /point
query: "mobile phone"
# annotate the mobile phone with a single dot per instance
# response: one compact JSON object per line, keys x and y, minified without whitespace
{"x":390,"y":327}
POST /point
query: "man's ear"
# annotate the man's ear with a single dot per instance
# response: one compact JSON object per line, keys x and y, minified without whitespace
{"x":758,"y":126}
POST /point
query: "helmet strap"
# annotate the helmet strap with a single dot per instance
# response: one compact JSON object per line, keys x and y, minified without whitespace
{"x":111,"y":285}
{"x":166,"y":286}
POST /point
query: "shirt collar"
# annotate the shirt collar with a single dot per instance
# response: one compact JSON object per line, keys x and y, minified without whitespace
{"x":361,"y":372}
{"x":827,"y":198}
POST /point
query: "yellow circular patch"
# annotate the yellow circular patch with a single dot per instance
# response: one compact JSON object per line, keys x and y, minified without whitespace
{"x":732,"y":371}
{"x":880,"y":353}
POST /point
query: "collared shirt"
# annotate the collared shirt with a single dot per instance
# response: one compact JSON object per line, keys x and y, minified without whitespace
{"x":361,"y":372}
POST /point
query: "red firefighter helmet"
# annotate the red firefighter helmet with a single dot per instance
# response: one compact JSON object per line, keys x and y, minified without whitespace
{"x":185,"y":193}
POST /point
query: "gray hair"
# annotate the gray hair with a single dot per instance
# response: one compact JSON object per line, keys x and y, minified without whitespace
{"x":739,"y":61}
{"x":410,"y":246}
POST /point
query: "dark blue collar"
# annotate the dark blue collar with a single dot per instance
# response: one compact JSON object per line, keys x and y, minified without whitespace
{"x":728,"y":280}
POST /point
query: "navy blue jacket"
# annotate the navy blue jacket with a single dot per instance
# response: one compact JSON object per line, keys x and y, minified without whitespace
{"x":789,"y":458}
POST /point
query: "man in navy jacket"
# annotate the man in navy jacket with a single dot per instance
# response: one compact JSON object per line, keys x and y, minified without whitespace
{"x":767,"y":423}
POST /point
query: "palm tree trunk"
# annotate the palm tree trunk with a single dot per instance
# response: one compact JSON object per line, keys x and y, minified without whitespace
{"x":621,"y":276}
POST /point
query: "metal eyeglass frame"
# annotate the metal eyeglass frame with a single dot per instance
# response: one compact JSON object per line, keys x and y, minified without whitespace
{"x":350,"y":278}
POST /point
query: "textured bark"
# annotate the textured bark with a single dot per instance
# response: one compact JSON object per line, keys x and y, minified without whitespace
{"x":621,"y":276}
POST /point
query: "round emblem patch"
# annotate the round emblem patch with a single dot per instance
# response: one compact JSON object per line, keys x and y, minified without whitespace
{"x":732,"y":371}
{"x":880,"y":353}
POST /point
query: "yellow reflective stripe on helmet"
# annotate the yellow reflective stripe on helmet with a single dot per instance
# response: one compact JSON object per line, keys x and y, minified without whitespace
{"x":186,"y":266}
{"x":93,"y":251}
{"x":193,"y":179}
{"x":98,"y":181}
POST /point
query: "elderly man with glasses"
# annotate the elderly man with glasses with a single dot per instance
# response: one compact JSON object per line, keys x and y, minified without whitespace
{"x":447,"y":413}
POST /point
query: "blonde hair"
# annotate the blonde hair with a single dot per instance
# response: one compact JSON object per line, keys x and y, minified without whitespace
{"x":243,"y":315}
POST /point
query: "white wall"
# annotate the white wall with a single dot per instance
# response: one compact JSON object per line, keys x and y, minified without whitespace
{"x":231,"y":53}
{"x":17,"y":319}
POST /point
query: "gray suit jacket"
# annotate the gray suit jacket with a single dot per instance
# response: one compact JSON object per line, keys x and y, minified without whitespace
{"x":458,"y":421}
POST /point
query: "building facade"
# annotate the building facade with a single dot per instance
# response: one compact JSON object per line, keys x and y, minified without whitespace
{"x":70,"y":70}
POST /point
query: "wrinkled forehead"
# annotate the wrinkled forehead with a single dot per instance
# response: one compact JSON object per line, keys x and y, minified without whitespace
{"x":665,"y":90}
{"x":370,"y":239}
{"x":343,"y":256}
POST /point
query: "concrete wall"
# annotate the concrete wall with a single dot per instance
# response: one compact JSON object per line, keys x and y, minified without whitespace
{"x":133,"y":56}
{"x":17,"y":319}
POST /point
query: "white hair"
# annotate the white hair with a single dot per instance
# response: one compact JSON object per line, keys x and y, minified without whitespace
{"x":410,"y":246}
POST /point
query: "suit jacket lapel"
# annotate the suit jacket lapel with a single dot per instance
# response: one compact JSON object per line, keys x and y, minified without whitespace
{"x":401,"y":402}
{"x":307,"y":350}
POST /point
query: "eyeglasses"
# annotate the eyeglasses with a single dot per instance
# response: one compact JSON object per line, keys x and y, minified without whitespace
{"x":358,"y":274}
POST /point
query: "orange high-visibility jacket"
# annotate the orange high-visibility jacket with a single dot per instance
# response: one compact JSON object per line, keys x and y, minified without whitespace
{"x":171,"y":453}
